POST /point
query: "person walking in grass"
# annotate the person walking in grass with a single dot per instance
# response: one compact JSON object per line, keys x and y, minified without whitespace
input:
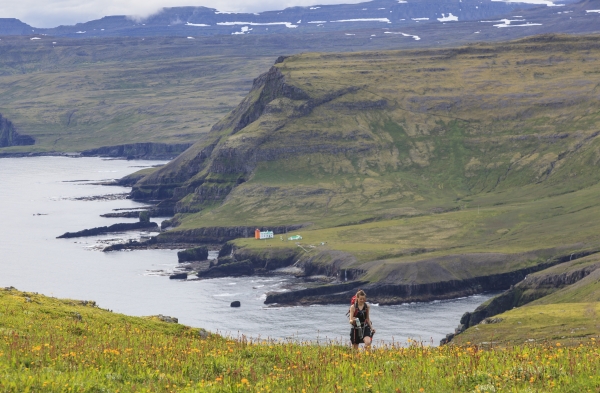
{"x":362,"y":330}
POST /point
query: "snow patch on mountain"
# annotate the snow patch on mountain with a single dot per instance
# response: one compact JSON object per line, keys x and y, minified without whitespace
{"x":289,"y":25}
{"x":385,"y":20}
{"x":415,"y":37}
{"x":549,"y":3}
{"x":449,"y":18}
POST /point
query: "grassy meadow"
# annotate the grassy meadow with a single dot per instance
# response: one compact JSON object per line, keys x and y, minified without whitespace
{"x":60,"y":345}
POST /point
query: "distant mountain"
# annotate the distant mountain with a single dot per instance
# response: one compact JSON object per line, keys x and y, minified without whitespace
{"x":12,"y":26}
{"x":200,"y":21}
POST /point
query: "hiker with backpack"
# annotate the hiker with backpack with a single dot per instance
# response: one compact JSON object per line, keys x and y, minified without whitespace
{"x":362,"y":330}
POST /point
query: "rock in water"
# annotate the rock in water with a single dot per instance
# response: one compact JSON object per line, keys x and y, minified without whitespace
{"x":236,"y":304}
{"x":178,"y":276}
{"x":233,"y":269}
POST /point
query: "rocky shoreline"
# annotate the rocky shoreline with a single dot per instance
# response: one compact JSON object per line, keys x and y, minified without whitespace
{"x":341,"y":284}
{"x":148,"y":226}
{"x":132,"y":151}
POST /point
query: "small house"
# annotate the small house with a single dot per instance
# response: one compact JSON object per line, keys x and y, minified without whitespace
{"x":260,"y":235}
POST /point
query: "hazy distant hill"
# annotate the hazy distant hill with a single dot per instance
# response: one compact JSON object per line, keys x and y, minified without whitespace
{"x":198,"y":21}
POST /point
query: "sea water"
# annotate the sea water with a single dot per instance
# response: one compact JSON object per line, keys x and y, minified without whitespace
{"x":44,"y":197}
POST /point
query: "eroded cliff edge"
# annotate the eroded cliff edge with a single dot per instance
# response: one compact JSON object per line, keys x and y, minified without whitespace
{"x":10,"y":137}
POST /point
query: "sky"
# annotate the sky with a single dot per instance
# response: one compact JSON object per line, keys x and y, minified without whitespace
{"x":52,"y":13}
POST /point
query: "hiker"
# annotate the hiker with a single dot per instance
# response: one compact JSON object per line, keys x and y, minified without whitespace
{"x":363,"y":332}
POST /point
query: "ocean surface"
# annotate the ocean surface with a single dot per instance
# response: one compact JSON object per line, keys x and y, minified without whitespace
{"x":44,"y":197}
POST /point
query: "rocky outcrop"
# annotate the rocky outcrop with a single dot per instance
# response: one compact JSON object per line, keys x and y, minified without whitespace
{"x":269,"y":259}
{"x":165,"y":318}
{"x":143,"y":151}
{"x":233,"y":269}
{"x":327,"y":294}
{"x":126,"y":214}
{"x":217,"y":235}
{"x":178,"y":276}
{"x":147,"y":226}
{"x":193,"y":254}
{"x":271,"y":85}
{"x":226,"y":250}
{"x":10,"y":137}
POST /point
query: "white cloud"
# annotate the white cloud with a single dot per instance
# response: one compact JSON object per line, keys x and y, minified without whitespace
{"x":52,"y":13}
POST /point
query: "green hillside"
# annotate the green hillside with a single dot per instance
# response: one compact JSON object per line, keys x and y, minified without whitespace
{"x":339,"y":138}
{"x":62,"y":345}
{"x":456,"y":170}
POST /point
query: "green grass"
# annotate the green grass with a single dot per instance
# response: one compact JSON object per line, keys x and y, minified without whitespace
{"x":54,"y":345}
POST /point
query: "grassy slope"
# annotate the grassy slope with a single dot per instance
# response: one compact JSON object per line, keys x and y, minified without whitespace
{"x":53,"y":345}
{"x":387,"y":247}
{"x":563,"y":322}
{"x":503,"y":138}
{"x":567,"y":314}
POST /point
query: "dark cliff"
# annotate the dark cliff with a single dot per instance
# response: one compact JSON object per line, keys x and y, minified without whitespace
{"x":402,"y":286}
{"x":216,"y":235}
{"x":211,"y":169}
{"x":10,"y":137}
{"x":145,"y":151}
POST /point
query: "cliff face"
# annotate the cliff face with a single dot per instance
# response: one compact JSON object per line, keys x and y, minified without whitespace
{"x":10,"y":137}
{"x":145,"y":151}
{"x":208,"y":171}
{"x":400,"y":286}
{"x":216,"y":235}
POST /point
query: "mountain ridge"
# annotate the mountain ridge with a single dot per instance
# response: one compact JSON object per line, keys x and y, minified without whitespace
{"x":194,"y":21}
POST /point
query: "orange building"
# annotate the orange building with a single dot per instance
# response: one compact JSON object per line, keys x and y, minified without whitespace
{"x":260,"y":235}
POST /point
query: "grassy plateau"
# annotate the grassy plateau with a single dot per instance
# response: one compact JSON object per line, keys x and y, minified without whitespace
{"x":60,"y":345}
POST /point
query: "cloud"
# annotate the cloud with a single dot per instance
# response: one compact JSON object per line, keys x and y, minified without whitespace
{"x":52,"y":13}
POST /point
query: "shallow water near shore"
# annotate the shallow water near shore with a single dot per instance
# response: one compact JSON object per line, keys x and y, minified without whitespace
{"x":38,"y":203}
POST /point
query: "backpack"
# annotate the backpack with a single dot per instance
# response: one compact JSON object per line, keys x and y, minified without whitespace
{"x":354,"y":302}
